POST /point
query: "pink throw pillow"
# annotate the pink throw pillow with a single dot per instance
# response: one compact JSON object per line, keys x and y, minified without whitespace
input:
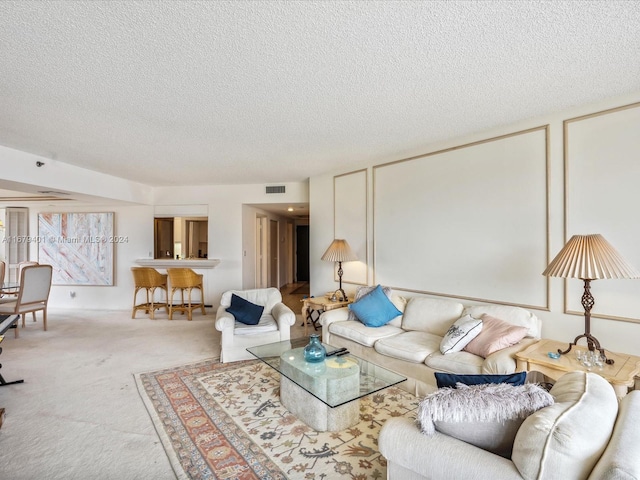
{"x":495,"y":335}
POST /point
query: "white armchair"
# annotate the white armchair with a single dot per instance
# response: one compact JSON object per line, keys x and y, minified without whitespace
{"x":274,"y":325}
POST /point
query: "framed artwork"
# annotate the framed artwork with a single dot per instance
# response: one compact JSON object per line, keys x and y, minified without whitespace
{"x":79,"y":247}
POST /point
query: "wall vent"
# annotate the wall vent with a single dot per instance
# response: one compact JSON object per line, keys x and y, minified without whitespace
{"x":275,"y":189}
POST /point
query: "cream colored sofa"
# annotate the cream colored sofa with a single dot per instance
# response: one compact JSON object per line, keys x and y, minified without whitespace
{"x":410,"y":343}
{"x":584,"y":435}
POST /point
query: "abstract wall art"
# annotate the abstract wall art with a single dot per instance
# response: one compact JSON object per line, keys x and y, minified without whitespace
{"x":79,"y":246}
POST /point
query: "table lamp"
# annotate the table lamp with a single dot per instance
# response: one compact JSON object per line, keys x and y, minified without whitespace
{"x":339,"y":251}
{"x":589,"y":257}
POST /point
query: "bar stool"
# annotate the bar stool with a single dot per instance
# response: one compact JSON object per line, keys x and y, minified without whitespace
{"x":185,"y":279}
{"x":149,"y":279}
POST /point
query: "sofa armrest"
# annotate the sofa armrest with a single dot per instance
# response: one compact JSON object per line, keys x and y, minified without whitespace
{"x":224,"y":320}
{"x":440,"y":456}
{"x":504,"y":361}
{"x":329,"y":317}
{"x":335,"y":315}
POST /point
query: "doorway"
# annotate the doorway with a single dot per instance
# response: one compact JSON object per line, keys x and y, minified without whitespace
{"x":163,"y":238}
{"x":302,"y":253}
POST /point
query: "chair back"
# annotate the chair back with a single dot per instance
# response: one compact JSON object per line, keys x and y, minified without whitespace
{"x":267,"y":297}
{"x":3,"y":268}
{"x":148,"y":277}
{"x":22,"y":265}
{"x":184,"y":278}
{"x":35,"y":284}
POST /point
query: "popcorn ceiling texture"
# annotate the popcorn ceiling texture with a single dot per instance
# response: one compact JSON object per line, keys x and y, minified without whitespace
{"x":186,"y":93}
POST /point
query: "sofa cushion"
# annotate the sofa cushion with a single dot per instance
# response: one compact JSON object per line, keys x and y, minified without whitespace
{"x":244,"y":311}
{"x":375,"y":309}
{"x":495,"y":335}
{"x":460,"y":334}
{"x":265,"y":325}
{"x":410,"y":346}
{"x":361,"y":291}
{"x":486,"y":415}
{"x":569,"y":436}
{"x":513,"y":315}
{"x":359,"y":333}
{"x":431,"y":315}
{"x":457,"y":362}
{"x":451,"y":379}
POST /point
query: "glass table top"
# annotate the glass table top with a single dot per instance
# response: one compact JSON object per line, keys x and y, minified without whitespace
{"x":335,"y":381}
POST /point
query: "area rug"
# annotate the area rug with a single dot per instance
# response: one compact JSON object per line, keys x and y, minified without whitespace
{"x":225,"y":421}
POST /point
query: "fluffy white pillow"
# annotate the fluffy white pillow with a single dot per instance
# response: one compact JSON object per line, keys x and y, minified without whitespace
{"x":487,"y":416}
{"x":460,"y":334}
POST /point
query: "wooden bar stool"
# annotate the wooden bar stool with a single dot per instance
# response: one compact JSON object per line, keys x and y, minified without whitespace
{"x":149,"y":279}
{"x":185,"y":279}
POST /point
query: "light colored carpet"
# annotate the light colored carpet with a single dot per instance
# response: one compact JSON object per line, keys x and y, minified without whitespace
{"x":224,"y":421}
{"x":79,"y":415}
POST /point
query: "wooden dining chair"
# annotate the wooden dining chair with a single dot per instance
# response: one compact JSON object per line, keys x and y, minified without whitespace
{"x":33,"y":295}
{"x":21,"y":266}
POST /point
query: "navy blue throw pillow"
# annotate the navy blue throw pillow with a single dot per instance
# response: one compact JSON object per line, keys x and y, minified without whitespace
{"x":450,"y":380}
{"x":244,"y":311}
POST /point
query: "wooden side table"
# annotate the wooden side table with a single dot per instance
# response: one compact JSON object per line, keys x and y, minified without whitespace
{"x":621,"y":375}
{"x":313,"y":307}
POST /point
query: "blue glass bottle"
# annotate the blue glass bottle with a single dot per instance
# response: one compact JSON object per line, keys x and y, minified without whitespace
{"x":314,"y":352}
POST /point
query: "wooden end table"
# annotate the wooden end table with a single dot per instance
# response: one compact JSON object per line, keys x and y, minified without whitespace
{"x":319,"y":305}
{"x":621,"y":375}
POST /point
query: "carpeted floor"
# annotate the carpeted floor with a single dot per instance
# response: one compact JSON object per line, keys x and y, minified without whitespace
{"x":220,"y":421}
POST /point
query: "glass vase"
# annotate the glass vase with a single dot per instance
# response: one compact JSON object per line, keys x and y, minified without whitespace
{"x":314,"y":352}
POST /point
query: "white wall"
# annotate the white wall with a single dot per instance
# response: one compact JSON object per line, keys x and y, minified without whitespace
{"x":614,"y":334}
{"x":134,"y":206}
{"x":133,"y":222}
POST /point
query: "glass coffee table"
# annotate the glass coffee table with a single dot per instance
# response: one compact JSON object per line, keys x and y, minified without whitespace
{"x":323,"y":395}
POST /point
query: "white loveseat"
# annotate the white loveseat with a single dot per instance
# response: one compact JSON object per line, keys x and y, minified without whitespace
{"x":584,"y":435}
{"x":410,"y":343}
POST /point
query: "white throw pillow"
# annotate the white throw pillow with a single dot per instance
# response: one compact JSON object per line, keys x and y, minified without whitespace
{"x":460,"y":334}
{"x":487,"y":416}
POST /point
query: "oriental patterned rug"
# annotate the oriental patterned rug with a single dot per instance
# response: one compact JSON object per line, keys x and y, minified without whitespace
{"x":225,"y":421}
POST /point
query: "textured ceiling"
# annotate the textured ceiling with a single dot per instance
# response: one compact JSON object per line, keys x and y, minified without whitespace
{"x":215,"y":92}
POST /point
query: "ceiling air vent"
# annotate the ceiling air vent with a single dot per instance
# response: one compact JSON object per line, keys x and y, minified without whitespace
{"x":275,"y":189}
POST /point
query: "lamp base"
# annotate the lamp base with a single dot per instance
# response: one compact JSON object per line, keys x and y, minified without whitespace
{"x":592,"y":344}
{"x":339,"y":295}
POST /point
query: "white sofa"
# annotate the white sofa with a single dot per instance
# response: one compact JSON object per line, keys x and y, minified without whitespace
{"x":410,"y":343}
{"x":274,"y":325}
{"x":584,"y":435}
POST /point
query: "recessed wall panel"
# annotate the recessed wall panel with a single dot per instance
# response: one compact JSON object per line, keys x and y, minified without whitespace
{"x":599,"y":199}
{"x":468,"y":222}
{"x":350,"y":205}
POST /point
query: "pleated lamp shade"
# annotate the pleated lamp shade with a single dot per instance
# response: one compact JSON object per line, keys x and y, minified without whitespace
{"x":589,"y":257}
{"x":339,"y":251}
